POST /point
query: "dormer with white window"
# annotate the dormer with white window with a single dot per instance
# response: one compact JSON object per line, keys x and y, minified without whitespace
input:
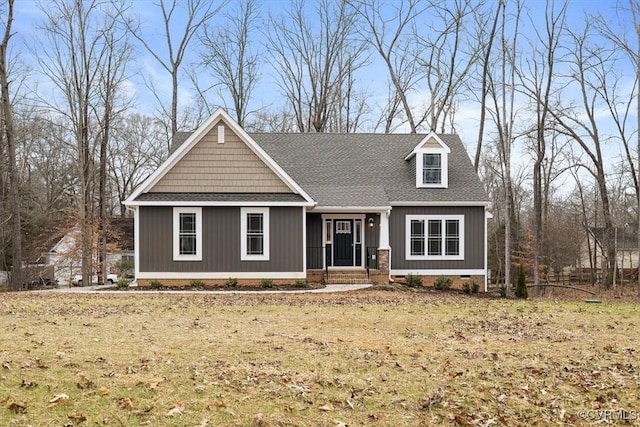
{"x":432,"y":162}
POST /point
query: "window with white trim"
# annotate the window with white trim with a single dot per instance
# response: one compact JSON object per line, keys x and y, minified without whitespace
{"x":187,"y":234}
{"x":254,"y":230}
{"x":432,"y":237}
{"x":432,"y":167}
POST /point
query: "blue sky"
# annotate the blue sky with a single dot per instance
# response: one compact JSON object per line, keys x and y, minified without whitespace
{"x":28,"y":15}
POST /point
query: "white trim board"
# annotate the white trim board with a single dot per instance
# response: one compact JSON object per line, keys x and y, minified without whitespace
{"x":198,"y":204}
{"x":222,"y":275}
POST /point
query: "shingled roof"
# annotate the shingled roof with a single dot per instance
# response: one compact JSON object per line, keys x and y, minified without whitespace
{"x":368,"y":169}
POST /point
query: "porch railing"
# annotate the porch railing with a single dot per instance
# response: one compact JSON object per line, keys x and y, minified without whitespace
{"x":372,"y":258}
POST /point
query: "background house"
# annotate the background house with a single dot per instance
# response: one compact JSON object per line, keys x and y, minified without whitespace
{"x":65,"y":255}
{"x":592,"y":255}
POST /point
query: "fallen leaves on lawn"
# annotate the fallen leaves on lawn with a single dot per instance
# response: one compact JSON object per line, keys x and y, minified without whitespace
{"x":125,"y":403}
{"x":176,"y":410}
{"x":28,"y":384}
{"x":58,"y":399}
{"x":259,"y":420}
{"x":77,"y":416}
{"x":18,"y":408}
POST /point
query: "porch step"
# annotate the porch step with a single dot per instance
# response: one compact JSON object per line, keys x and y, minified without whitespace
{"x":349,"y":277}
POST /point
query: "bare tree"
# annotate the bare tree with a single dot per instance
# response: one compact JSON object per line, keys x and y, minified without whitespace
{"x":136,"y":149}
{"x":112,"y":77}
{"x":228,"y":54}
{"x":314,"y":58}
{"x":485,"y":60}
{"x":590,"y":74}
{"x":447,"y":55}
{"x":198,"y":12}
{"x":537,"y":79}
{"x":387,"y":31}
{"x":73,"y":53}
{"x":502,"y":93}
{"x":8,"y":135}
{"x":618,"y":35}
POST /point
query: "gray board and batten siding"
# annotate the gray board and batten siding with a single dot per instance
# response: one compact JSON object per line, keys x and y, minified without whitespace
{"x":221,"y":241}
{"x":474,"y":238}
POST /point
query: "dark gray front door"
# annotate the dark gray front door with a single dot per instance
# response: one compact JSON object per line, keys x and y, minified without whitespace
{"x":343,"y":242}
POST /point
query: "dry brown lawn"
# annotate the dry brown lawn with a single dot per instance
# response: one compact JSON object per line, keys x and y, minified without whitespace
{"x":371,"y":357}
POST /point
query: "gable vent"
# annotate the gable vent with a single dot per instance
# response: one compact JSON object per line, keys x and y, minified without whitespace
{"x":221,"y":134}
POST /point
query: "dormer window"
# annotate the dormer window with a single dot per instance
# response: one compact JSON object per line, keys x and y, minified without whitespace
{"x":432,"y":162}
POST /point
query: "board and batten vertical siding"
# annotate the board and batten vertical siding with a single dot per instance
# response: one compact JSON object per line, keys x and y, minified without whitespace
{"x":474,"y":238}
{"x":314,"y":241}
{"x":221,"y":244}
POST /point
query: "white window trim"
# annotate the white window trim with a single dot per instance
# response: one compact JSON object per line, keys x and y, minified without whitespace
{"x":426,"y":218}
{"x":244,"y":256}
{"x":176,"y":234}
{"x":444,"y":164}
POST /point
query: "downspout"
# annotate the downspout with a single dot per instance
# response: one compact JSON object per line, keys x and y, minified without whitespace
{"x":304,"y":242}
{"x":487,"y":217}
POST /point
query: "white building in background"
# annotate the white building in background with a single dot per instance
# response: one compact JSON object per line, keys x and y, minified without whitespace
{"x":66,"y":255}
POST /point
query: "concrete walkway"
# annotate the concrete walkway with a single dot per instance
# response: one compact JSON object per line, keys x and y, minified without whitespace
{"x":101,"y":289}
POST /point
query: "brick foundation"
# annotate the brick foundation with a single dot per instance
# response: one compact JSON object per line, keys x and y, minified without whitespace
{"x":457,"y":281}
{"x":213,"y":283}
{"x":315,"y":276}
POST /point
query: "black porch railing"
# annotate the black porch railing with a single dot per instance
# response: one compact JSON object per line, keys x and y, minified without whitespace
{"x":372,"y":257}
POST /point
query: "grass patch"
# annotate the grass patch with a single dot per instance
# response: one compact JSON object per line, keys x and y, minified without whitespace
{"x":369,"y":358}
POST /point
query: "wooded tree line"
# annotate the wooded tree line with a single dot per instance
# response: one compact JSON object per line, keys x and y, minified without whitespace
{"x":546,"y":95}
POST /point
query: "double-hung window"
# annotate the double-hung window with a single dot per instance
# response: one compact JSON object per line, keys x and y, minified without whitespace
{"x":431,"y":168}
{"x":431,"y":237}
{"x":254,"y":227}
{"x":187,"y":234}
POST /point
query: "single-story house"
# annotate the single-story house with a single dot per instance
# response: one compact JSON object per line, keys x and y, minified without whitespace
{"x":315,"y":206}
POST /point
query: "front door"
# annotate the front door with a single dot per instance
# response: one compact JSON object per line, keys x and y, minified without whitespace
{"x":343,"y":242}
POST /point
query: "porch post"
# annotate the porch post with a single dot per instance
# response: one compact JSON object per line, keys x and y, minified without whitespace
{"x":384,"y":251}
{"x":384,"y":230}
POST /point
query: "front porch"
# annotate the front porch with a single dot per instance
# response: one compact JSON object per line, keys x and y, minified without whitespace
{"x":347,"y":247}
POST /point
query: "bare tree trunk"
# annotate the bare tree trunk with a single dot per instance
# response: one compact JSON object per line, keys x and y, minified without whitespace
{"x":9,"y":137}
{"x":484,"y":90}
{"x":504,"y":104}
{"x":542,"y":92}
{"x":634,"y":13}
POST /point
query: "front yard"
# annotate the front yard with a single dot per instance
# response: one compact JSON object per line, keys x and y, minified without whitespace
{"x":364,"y":358}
